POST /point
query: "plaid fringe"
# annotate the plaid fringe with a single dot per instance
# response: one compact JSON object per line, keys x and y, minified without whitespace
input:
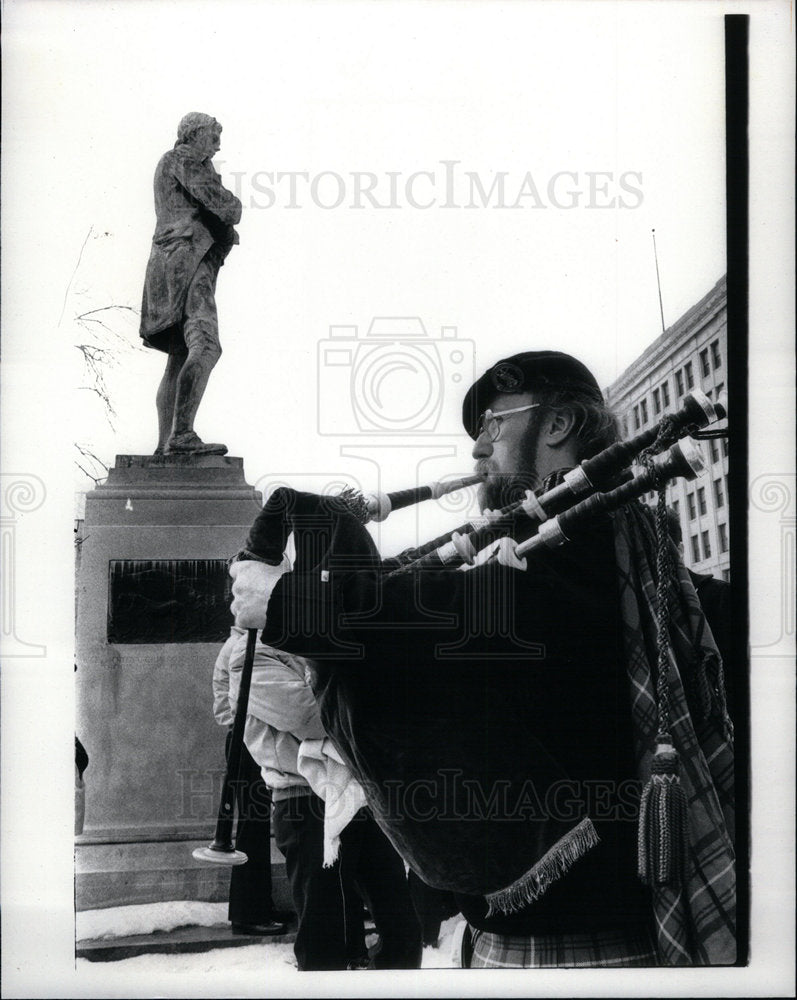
{"x":551,"y":866}
{"x":695,"y":925}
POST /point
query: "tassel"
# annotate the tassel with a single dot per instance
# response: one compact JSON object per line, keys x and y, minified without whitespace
{"x":663,"y":838}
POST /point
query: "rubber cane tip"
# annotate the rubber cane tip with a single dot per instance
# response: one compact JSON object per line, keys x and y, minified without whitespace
{"x":219,"y":857}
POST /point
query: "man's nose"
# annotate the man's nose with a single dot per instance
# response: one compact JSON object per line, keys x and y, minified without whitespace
{"x":483,"y":447}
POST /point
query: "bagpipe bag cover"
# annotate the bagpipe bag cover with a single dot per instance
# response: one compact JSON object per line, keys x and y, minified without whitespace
{"x":471,"y":705}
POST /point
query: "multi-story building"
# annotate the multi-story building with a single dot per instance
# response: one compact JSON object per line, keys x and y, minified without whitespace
{"x":691,"y":354}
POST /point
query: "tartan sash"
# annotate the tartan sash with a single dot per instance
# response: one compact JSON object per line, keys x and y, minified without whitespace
{"x":696,"y":924}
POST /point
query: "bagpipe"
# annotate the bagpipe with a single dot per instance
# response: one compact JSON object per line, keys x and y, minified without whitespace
{"x":330,"y":536}
{"x":607,"y":471}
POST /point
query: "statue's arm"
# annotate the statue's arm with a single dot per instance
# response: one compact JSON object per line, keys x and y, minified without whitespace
{"x":203,"y":183}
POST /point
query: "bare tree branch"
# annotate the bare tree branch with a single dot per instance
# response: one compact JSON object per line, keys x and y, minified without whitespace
{"x":105,"y":309}
{"x":86,"y":473}
{"x":110,"y":412}
{"x":80,"y":257}
{"x":88,"y":460}
{"x":83,"y":321}
{"x":104,"y":336}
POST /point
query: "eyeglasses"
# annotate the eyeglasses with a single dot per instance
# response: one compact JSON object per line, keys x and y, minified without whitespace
{"x":490,"y":423}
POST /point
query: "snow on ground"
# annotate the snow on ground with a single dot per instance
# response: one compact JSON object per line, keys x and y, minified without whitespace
{"x":250,"y":958}
{"x":124,"y":921}
{"x":275,"y":957}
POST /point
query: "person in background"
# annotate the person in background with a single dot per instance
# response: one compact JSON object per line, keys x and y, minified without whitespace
{"x":81,"y":763}
{"x":251,"y":908}
{"x":433,"y":906}
{"x":328,"y":886}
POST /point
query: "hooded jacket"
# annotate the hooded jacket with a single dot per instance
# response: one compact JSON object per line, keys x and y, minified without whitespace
{"x":281,"y":713}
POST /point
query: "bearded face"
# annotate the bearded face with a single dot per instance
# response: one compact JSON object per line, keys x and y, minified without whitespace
{"x":509,"y":462}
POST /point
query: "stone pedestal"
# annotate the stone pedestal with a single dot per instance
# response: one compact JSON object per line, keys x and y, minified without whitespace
{"x":151,"y":617}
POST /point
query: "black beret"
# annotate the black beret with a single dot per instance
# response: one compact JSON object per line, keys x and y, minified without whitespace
{"x":524,"y":372}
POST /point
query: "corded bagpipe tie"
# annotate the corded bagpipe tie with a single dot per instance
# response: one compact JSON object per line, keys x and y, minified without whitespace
{"x":663,"y":837}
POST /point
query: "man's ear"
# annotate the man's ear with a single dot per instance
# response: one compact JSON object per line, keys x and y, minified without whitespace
{"x":559,"y":428}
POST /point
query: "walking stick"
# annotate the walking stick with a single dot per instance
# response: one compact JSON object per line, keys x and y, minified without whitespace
{"x":221,"y":851}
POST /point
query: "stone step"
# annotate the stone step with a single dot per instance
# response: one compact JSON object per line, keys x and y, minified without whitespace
{"x":124,"y":874}
{"x":179,"y":940}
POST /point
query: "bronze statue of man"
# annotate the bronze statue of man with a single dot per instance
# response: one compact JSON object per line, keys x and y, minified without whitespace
{"x":194,"y":233}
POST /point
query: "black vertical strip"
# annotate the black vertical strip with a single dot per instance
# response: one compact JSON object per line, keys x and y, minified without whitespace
{"x":737,"y":203}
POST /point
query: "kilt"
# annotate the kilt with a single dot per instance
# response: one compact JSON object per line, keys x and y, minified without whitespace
{"x":612,"y":949}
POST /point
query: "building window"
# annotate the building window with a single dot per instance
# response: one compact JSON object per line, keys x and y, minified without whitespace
{"x":723,"y":535}
{"x":714,"y":446}
{"x":644,"y":411}
{"x":716,"y":360}
{"x":690,"y":499}
{"x":676,"y":509}
{"x":705,"y":367}
{"x":706,"y":545}
{"x":726,"y":575}
{"x":695,"y":549}
{"x":690,"y":378}
{"x":636,"y":418}
{"x":656,"y":401}
{"x":701,"y":500}
{"x":720,"y":387}
{"x":665,"y":394}
{"x":719,"y":493}
{"x":679,"y":382}
{"x":709,"y":393}
{"x":724,"y":446}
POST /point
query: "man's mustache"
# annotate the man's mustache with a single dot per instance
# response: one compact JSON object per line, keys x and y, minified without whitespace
{"x":484,"y":467}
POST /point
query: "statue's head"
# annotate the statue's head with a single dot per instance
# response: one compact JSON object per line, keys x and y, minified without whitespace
{"x":201,"y":130}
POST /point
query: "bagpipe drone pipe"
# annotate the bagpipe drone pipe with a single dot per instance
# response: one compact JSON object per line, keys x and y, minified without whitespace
{"x":603,"y":472}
